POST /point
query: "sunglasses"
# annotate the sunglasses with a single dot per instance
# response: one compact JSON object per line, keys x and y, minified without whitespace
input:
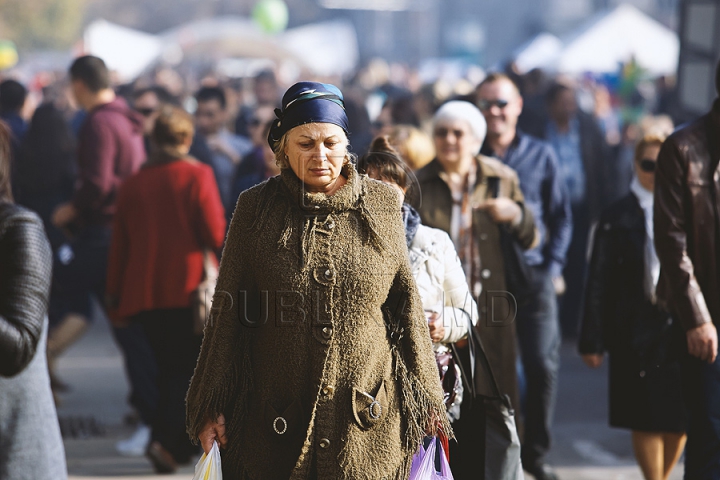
{"x":145,"y":112}
{"x":647,"y":165}
{"x":488,"y":104}
{"x":443,"y":132}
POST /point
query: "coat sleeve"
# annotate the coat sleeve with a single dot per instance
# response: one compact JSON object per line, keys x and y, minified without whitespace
{"x":416,"y":370}
{"x":591,"y":327}
{"x":460,"y":307}
{"x":524,"y":231}
{"x":686,"y":297}
{"x":556,"y":206}
{"x":26,"y":262}
{"x":222,"y":376}
{"x":96,"y":162}
{"x":210,"y":214}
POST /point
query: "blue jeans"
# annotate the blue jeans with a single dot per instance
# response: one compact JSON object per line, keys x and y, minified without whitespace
{"x":701,"y":384}
{"x":538,"y":332}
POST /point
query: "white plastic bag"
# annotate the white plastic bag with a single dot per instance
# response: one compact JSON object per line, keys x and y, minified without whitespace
{"x":208,"y":467}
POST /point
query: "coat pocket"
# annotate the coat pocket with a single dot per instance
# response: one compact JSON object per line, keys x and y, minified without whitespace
{"x":369,"y":409}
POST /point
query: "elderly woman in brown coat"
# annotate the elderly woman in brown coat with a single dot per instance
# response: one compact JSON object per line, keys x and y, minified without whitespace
{"x":477,"y":200}
{"x":316,"y":361}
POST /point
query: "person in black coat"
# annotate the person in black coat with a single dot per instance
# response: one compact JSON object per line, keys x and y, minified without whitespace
{"x":621,"y":317}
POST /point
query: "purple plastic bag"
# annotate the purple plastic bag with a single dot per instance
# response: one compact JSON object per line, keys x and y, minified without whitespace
{"x":423,"y":464}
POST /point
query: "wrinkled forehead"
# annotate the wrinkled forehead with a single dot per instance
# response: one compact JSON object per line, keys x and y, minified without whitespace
{"x":318,"y":131}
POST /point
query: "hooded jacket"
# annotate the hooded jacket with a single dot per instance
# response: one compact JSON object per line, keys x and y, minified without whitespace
{"x":110,"y":149}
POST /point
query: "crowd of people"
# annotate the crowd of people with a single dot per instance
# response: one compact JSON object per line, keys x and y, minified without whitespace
{"x":509,"y":208}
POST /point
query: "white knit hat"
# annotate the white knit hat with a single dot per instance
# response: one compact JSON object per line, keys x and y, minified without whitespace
{"x":460,"y":110}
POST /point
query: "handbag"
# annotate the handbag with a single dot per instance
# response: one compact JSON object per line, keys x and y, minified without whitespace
{"x":201,"y":298}
{"x":451,"y":381}
{"x":500,"y":459}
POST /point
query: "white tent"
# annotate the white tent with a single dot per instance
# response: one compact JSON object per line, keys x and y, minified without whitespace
{"x":126,"y":51}
{"x":623,"y":34}
{"x":327,"y":48}
{"x":540,"y":52}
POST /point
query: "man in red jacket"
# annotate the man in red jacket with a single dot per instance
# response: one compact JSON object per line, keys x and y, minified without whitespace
{"x":110,"y":149}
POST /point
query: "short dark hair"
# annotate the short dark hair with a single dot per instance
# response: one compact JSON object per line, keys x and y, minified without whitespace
{"x":555,"y":90}
{"x":12,"y":96}
{"x":162,"y":94}
{"x":496,"y":77}
{"x":383,"y":158}
{"x":206,"y":94}
{"x":92,"y":71}
{"x":5,"y":159}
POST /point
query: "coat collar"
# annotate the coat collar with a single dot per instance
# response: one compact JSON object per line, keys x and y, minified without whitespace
{"x":344,"y":199}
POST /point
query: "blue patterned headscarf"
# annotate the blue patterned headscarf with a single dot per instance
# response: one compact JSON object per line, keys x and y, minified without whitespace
{"x":308,"y":102}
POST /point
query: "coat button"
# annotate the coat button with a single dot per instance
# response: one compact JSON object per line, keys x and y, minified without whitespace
{"x":330,"y":224}
{"x":329,"y":274}
{"x":483,"y":236}
{"x":324,"y":443}
{"x":485,"y":273}
{"x":642,"y":374}
{"x":328,"y":390}
{"x":327,"y":333}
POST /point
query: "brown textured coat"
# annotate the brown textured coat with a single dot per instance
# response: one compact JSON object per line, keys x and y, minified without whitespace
{"x":297,"y":341}
{"x":496,"y":325}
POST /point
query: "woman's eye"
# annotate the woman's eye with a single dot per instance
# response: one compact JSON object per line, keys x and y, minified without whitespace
{"x":330,"y":144}
{"x":306,"y":145}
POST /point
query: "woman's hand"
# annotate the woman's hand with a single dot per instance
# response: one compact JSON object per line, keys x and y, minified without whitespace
{"x":435,"y":325}
{"x":213,"y":431}
{"x":593,"y":360}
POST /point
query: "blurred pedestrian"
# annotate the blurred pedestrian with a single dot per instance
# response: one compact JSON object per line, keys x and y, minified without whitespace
{"x":228,"y":149}
{"x":686,"y":239}
{"x":147,"y":102}
{"x":269,"y":167}
{"x":30,"y":442}
{"x":266,"y":93}
{"x":109,"y":149}
{"x":168,"y":215}
{"x":622,"y":318}
{"x":588,"y":171}
{"x":339,"y":380}
{"x":476,"y":199}
{"x":537,"y":276}
{"x":449,"y":307}
{"x":414,"y":146}
{"x":12,"y":100}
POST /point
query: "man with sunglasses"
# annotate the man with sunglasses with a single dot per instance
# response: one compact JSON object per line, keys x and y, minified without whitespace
{"x":687,"y":239}
{"x":535,"y":285}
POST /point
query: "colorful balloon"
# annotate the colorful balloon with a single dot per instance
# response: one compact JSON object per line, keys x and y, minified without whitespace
{"x":271,"y":15}
{"x":8,"y":54}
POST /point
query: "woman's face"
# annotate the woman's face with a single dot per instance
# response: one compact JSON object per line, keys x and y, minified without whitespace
{"x":316,"y":153}
{"x":454,"y":141}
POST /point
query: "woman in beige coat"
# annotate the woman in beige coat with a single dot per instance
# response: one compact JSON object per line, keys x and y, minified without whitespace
{"x":317,"y":361}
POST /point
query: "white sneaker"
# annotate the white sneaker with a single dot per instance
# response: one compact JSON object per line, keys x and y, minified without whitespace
{"x":136,"y":445}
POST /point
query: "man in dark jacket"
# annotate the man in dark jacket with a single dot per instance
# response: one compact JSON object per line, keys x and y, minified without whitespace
{"x":110,"y":149}
{"x":687,"y":240}
{"x":534,"y":286}
{"x":586,"y":167}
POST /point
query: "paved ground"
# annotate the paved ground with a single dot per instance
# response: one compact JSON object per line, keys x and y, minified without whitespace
{"x":585,"y":447}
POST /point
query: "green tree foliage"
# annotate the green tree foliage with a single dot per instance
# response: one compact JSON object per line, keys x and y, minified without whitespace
{"x":37,"y":24}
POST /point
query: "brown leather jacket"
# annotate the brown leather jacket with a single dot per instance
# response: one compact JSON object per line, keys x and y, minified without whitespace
{"x":687,"y":190}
